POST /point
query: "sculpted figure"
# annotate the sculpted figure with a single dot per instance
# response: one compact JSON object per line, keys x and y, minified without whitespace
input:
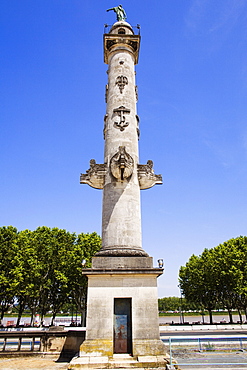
{"x":120,"y":12}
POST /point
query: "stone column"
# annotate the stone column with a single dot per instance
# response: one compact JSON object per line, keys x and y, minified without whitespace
{"x":121,"y":177}
{"x":121,"y":219}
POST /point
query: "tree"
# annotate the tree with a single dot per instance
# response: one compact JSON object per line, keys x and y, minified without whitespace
{"x":230,"y":276}
{"x":42,"y":269}
{"x":196,"y":281}
{"x":9,"y":268}
{"x":169,"y":304}
{"x":218,"y":277}
{"x":84,"y":248}
{"x":175,"y":304}
{"x":28,"y":270}
{"x":50,"y":281}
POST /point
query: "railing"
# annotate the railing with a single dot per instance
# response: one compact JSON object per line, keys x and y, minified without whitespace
{"x":107,"y":28}
{"x":204,"y":351}
{"x":54,"y":340}
{"x":20,"y":341}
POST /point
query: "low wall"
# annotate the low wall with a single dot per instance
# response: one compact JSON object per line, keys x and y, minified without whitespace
{"x":53,"y":341}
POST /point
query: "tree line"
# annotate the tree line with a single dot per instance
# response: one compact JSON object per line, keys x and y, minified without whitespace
{"x":217,"y":278}
{"x":176,"y":304}
{"x":40,"y":270}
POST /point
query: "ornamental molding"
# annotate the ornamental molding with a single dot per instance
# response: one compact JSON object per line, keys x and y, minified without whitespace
{"x":95,"y":175}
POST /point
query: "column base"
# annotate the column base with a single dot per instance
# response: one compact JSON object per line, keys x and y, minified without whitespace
{"x":121,"y":362}
{"x":96,"y":347}
{"x":148,"y":347}
{"x":104,"y":347}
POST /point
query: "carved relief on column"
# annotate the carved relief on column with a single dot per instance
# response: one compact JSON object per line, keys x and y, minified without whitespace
{"x":106,"y":92}
{"x":121,"y":81}
{"x":137,"y":126}
{"x":121,"y":164}
{"x":136,"y":92}
{"x":147,"y":177}
{"x":105,"y":123}
{"x":95,"y":176}
{"x":121,"y":122}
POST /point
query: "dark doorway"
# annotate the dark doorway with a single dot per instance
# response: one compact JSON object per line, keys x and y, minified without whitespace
{"x":122,"y":325}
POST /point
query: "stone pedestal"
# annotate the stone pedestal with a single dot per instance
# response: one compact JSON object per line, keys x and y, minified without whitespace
{"x":113,"y":278}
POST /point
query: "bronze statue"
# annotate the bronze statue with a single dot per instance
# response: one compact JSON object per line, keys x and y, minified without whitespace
{"x":120,"y":12}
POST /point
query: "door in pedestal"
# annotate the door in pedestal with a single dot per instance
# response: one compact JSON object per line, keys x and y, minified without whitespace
{"x":122,"y":325}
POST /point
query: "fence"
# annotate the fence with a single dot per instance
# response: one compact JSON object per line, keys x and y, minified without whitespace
{"x":20,"y":341}
{"x":204,"y":351}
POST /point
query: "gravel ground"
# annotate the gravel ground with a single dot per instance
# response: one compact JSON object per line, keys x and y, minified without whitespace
{"x":32,"y":363}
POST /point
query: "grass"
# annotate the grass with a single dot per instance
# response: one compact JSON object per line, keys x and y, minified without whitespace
{"x":216,"y":313}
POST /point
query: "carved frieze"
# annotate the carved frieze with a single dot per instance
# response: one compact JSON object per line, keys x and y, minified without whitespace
{"x":95,"y":176}
{"x":121,"y":81}
{"x":121,"y":164}
{"x":121,"y":123}
{"x":147,"y":177}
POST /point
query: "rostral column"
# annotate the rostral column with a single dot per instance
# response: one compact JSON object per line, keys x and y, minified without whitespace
{"x":121,"y":176}
{"x":122,"y":283}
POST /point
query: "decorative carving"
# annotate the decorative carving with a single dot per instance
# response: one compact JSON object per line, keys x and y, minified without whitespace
{"x":105,"y":121}
{"x":137,"y":126}
{"x":95,"y":176}
{"x":124,"y":251}
{"x":121,"y":81}
{"x":110,"y":43}
{"x":122,"y":164}
{"x":120,"y":112}
{"x":136,"y":92}
{"x":147,"y":177}
{"x":106,"y":92}
{"x":133,"y":44}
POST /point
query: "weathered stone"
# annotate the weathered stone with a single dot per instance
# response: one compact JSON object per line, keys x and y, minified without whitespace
{"x":146,"y":176}
{"x":95,"y":176}
{"x":122,"y":262}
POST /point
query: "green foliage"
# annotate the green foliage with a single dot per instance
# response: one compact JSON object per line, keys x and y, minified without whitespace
{"x":9,"y":268}
{"x":175,"y":304}
{"x":41,"y":270}
{"x":209,"y":347}
{"x":169,"y":304}
{"x":218,"y":277}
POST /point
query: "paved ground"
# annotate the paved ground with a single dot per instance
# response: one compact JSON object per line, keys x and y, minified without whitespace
{"x":32,"y":363}
{"x":235,"y":360}
{"x":50,"y":363}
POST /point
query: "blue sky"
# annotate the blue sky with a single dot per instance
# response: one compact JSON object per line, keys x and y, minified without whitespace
{"x":192,"y":82}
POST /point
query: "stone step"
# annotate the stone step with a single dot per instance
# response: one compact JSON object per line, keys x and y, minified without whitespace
{"x":122,"y":358}
{"x":118,"y":362}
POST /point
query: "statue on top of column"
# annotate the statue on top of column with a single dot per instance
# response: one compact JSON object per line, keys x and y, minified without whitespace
{"x":120,"y":12}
